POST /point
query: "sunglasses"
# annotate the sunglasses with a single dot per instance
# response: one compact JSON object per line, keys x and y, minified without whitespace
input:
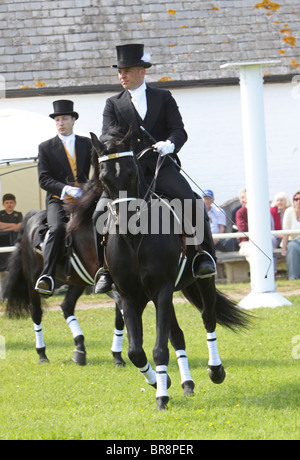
{"x":296,"y":199}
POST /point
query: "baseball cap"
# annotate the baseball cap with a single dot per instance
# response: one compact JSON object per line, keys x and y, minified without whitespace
{"x":208,"y":193}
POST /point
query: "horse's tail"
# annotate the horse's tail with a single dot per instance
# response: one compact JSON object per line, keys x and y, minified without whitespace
{"x":16,"y":289}
{"x":228,"y":314}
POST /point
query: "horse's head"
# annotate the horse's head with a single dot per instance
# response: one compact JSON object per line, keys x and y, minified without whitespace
{"x":118,"y":169}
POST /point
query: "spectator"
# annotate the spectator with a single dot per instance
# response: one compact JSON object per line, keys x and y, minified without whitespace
{"x":291,"y":243}
{"x":217,"y":220}
{"x":280,"y":203}
{"x":242,"y":225}
{"x":243,"y":201}
{"x":10,"y":223}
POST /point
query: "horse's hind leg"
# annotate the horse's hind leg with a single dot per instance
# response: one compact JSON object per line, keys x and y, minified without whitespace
{"x":36,"y":316}
{"x":178,"y":343}
{"x":116,"y":347}
{"x":202,"y":294}
{"x":117,"y":343}
{"x":208,"y":293}
{"x":164,"y":310}
{"x":68,"y":308}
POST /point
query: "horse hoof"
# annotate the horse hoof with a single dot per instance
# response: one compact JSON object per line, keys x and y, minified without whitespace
{"x":42,"y":355}
{"x":79,"y":357}
{"x":217,"y":374}
{"x":119,"y":361}
{"x":169,"y":383}
{"x":188,"y":388}
{"x":162,"y":402}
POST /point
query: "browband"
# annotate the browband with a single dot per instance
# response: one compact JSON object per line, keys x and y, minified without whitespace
{"x":112,"y":156}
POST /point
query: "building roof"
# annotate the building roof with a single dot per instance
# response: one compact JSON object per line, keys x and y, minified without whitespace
{"x":69,"y":44}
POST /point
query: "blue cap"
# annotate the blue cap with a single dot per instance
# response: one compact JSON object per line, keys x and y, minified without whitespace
{"x":208,"y":193}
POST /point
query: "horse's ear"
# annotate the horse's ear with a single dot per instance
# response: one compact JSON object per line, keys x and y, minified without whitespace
{"x":95,"y":142}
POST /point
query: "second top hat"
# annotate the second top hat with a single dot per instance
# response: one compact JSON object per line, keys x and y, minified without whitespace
{"x":131,"y":56}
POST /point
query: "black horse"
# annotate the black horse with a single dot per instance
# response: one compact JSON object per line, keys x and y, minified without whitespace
{"x":144,"y":267}
{"x":77,"y":267}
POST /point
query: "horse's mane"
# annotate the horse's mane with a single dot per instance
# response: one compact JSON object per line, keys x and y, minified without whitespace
{"x":115,"y":139}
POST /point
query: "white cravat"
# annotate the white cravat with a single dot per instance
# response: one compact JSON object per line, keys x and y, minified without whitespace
{"x":139,"y":100}
{"x":69,"y":143}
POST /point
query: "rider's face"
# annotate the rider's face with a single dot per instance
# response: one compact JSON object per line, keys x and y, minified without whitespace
{"x":132,"y":77}
{"x":64,"y":124}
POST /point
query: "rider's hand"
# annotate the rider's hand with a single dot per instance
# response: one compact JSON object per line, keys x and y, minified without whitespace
{"x":164,"y":147}
{"x":74,"y":192}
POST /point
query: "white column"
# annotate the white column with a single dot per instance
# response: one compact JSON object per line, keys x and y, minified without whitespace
{"x":263,"y":291}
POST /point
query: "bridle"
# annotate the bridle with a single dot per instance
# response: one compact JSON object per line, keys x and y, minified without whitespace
{"x":113,"y":156}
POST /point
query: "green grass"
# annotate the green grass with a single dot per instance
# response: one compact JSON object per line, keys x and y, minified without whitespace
{"x":260,"y":398}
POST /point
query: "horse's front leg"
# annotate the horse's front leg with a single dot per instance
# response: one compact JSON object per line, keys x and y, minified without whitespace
{"x":134,"y":327}
{"x":68,"y":308}
{"x":164,"y":310}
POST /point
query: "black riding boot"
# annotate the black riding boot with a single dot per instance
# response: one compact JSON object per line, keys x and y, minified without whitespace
{"x":206,"y":263}
{"x":104,"y":283}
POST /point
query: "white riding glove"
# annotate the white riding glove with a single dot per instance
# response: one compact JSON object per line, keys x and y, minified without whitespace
{"x":164,"y":147}
{"x":74,"y":192}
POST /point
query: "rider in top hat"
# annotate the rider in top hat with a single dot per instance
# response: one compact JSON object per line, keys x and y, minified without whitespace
{"x":156,"y":110}
{"x":63,"y":164}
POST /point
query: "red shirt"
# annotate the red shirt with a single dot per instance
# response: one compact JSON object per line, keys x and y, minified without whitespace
{"x":242,"y":221}
{"x":276,"y":217}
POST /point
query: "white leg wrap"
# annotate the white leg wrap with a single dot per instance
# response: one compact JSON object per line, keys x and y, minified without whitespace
{"x":161,"y":379}
{"x":117,"y":341}
{"x":74,"y":326}
{"x":149,"y":374}
{"x":183,"y":364}
{"x":39,"y":339}
{"x":214,"y":358}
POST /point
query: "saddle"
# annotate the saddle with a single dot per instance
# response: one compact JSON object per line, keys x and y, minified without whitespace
{"x":69,"y":257}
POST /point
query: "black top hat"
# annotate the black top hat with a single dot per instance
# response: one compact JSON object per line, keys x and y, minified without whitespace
{"x":131,"y":56}
{"x":63,"y":107}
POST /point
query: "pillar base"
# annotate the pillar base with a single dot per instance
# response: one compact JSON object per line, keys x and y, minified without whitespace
{"x":263,"y":299}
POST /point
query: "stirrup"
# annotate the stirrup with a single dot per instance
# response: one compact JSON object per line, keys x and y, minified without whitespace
{"x":209,"y":274}
{"x":45,"y":291}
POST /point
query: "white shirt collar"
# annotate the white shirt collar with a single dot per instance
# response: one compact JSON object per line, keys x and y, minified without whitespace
{"x":66,"y":139}
{"x":139,"y":99}
{"x":69,"y":142}
{"x":138,"y":91}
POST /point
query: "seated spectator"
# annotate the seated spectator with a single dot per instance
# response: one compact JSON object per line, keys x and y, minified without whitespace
{"x":280,"y":203}
{"x":243,"y":201}
{"x":10,"y":223}
{"x":291,"y":243}
{"x":242,"y":224}
{"x":218,"y":223}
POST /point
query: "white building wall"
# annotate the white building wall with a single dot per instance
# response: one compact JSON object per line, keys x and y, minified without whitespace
{"x":213,"y":155}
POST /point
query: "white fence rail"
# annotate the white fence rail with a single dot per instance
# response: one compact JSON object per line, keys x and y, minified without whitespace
{"x":218,"y":236}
